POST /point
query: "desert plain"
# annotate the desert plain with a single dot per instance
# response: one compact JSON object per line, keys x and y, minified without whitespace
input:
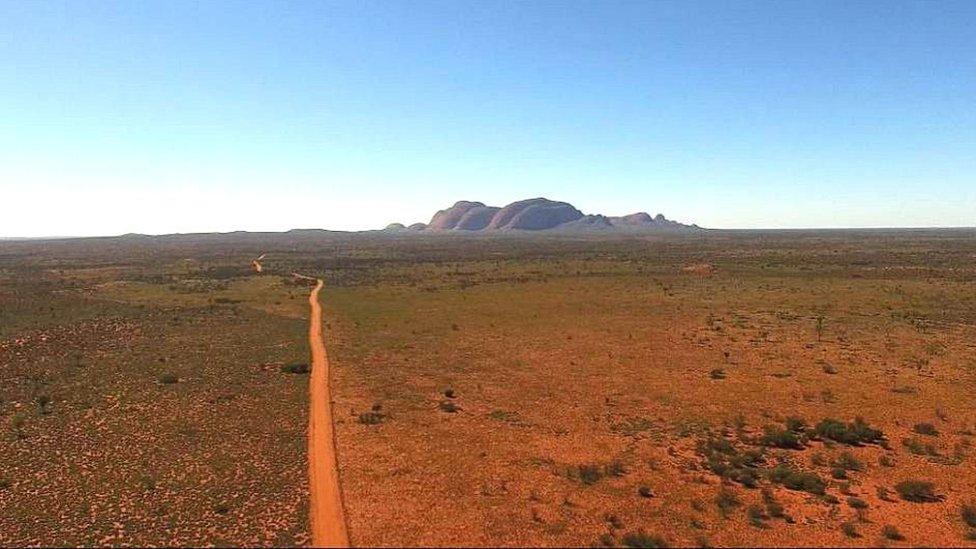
{"x":709,"y":388}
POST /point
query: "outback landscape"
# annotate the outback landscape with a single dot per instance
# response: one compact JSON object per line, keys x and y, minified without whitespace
{"x":511,"y":387}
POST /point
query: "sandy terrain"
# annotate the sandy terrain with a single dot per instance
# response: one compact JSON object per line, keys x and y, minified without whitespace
{"x":729,"y":389}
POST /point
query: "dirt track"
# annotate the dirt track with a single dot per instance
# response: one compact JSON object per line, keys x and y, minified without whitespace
{"x":325,"y":510}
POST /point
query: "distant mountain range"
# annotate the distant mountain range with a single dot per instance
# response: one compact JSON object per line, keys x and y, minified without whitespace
{"x":536,"y":214}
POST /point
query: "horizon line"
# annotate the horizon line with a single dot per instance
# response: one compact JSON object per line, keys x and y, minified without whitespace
{"x":502,"y":232}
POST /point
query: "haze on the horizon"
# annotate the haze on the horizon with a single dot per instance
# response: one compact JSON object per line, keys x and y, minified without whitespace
{"x":159,"y":117}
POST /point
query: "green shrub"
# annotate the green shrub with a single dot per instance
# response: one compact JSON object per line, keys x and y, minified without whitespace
{"x":855,"y":433}
{"x":42,"y":404}
{"x":857,"y":503}
{"x":796,"y":424}
{"x":917,"y":491}
{"x":615,"y":469}
{"x":781,"y":438}
{"x":850,"y":530}
{"x":642,"y":539}
{"x":372,"y":417}
{"x":168,"y":379}
{"x":968,"y":513}
{"x":919,"y":448}
{"x":449,"y":407}
{"x":795,"y":479}
{"x":295,"y":368}
{"x":756,"y":515}
{"x":892,"y":533}
{"x":727,"y":501}
{"x":589,"y":474}
{"x":848,"y":462}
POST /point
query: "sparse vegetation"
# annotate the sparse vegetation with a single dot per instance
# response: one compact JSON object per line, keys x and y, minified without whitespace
{"x":725,"y":460}
{"x":795,"y":479}
{"x":782,"y":438}
{"x":642,"y":539}
{"x":891,"y":533}
{"x":43,"y":401}
{"x":854,"y":433}
{"x":727,"y":501}
{"x":968,"y":513}
{"x":850,"y":530}
{"x":539,"y":319}
{"x":857,"y":503}
{"x":296,"y":368}
{"x":926,"y":429}
{"x":917,"y":491}
{"x":848,"y":462}
{"x":919,"y":448}
{"x":168,"y":379}
{"x":449,"y":406}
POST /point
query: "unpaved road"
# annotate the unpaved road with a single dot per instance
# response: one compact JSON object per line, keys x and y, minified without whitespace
{"x":326,"y":514}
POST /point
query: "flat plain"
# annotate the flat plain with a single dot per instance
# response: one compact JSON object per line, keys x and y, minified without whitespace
{"x":712,"y":388}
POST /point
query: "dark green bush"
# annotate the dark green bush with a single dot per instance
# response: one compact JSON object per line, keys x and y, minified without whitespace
{"x":926,"y":429}
{"x":850,"y":530}
{"x":726,"y":500}
{"x":917,"y":491}
{"x":168,"y":379}
{"x":892,"y":533}
{"x":855,"y":433}
{"x":449,"y":407}
{"x":857,"y":503}
{"x":968,"y":513}
{"x":756,"y":515}
{"x":795,"y":479}
{"x":372,"y":417}
{"x":642,"y":539}
{"x":295,"y":368}
{"x":782,"y":438}
{"x":848,"y":462}
{"x":919,"y":448}
{"x":796,"y":424}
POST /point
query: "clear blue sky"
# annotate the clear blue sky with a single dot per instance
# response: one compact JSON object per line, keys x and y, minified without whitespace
{"x":195,"y":116}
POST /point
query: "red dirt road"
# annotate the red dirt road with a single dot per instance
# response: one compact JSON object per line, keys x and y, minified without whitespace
{"x":326,"y":514}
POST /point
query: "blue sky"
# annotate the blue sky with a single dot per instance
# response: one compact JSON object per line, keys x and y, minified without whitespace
{"x":196,"y":116}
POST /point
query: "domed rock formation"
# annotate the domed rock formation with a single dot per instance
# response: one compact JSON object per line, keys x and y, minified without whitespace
{"x":448,"y":219}
{"x":539,"y":214}
{"x":534,"y":214}
{"x":476,"y":218}
{"x":639,"y":218}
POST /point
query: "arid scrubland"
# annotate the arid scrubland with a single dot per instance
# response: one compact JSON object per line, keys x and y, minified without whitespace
{"x":721,"y":388}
